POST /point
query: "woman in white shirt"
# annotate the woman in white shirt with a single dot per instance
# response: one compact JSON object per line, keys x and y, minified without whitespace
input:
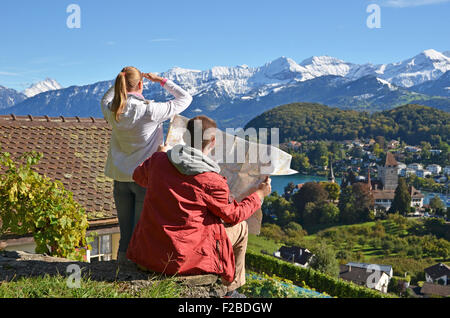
{"x":137,"y":132}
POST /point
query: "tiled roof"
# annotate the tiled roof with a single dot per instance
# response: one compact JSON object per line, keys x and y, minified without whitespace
{"x":390,"y":160}
{"x":435,"y":289}
{"x":415,"y":194}
{"x":438,"y":270}
{"x":301,"y":255}
{"x":390,"y":194}
{"x":358,"y":275}
{"x":384,"y":268}
{"x":383,"y":194}
{"x":75,"y":152}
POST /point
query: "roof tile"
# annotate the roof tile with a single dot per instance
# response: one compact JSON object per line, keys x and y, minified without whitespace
{"x":75,"y":151}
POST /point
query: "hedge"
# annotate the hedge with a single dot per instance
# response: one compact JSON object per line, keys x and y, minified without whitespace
{"x":314,"y":279}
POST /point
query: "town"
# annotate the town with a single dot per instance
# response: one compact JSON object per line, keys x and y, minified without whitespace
{"x":424,"y":168}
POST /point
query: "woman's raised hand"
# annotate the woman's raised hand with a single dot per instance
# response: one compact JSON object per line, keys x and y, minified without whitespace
{"x":152,"y":77}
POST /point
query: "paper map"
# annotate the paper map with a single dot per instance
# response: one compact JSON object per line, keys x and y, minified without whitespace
{"x":240,"y":162}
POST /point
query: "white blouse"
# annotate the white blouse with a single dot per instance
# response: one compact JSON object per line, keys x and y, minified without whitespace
{"x":139,"y":131}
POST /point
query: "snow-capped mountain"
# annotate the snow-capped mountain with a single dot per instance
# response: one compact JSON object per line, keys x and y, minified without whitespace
{"x":9,"y":97}
{"x":72,"y":101}
{"x":44,"y":86}
{"x":438,"y":87}
{"x":426,"y":66}
{"x":233,"y":95}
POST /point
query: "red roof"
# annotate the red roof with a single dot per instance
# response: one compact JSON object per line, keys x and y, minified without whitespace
{"x":390,"y":160}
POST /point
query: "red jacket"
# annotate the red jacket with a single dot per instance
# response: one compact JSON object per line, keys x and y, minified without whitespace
{"x":180,"y":230}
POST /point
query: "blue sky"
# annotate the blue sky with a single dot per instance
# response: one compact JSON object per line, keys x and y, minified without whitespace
{"x":198,"y":34}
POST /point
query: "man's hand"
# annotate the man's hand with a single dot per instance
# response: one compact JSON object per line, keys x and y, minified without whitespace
{"x":152,"y":77}
{"x":265,"y":188}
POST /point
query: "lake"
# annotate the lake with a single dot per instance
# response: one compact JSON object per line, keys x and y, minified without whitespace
{"x":279,"y":182}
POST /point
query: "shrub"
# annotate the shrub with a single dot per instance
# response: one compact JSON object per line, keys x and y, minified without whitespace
{"x":325,"y":261}
{"x":32,"y":203}
{"x":272,"y":231}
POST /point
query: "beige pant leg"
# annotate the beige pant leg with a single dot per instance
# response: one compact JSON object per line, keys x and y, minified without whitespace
{"x":238,"y":235}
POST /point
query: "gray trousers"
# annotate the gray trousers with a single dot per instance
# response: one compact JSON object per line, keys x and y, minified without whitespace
{"x":129,"y":199}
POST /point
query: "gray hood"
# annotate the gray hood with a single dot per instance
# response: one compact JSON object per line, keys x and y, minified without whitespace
{"x":190,"y":161}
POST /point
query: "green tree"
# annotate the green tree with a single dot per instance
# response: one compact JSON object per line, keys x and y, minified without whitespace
{"x":329,"y":213}
{"x":282,"y":209}
{"x":377,"y":150}
{"x":300,"y":162}
{"x":345,"y":205}
{"x":381,"y":142}
{"x":437,"y":205}
{"x":333,"y":190}
{"x":323,"y":162}
{"x":324,"y":260}
{"x":402,"y":199}
{"x":272,"y":231}
{"x":310,"y":192}
{"x":319,"y":153}
{"x":356,"y":203}
{"x":294,"y":233}
{"x":289,"y":189}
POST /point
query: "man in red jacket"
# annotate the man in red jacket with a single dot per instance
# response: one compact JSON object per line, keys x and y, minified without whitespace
{"x":189,"y":224}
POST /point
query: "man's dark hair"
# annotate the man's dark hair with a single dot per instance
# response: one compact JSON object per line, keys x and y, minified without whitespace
{"x":200,"y":122}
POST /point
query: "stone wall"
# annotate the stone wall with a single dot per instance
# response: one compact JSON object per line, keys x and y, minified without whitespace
{"x":14,"y":265}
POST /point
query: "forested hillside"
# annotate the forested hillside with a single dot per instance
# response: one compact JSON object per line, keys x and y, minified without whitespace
{"x":310,"y":121}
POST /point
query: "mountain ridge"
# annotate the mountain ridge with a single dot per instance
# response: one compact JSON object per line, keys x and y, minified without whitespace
{"x":241,"y":92}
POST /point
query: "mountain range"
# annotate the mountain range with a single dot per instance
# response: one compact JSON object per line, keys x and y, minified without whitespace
{"x":234,"y":95}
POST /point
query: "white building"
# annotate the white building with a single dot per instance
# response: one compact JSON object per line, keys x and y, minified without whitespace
{"x":438,"y":274}
{"x":295,"y":254}
{"x":415,"y":166}
{"x":447,"y":170}
{"x":412,"y":149}
{"x":401,"y":165}
{"x":406,"y":172}
{"x":369,"y":275}
{"x":435,"y":152}
{"x":434,"y":169}
{"x":421,"y":173}
{"x":384,"y":268}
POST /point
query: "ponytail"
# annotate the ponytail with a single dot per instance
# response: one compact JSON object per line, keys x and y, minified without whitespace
{"x":120,"y":95}
{"x":127,"y":81}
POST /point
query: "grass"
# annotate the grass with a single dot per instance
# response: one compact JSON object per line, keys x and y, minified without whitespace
{"x":357,"y":241}
{"x":56,"y":287}
{"x":258,"y":243}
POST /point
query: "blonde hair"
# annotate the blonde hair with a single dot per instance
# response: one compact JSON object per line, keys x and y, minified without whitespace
{"x":127,"y":81}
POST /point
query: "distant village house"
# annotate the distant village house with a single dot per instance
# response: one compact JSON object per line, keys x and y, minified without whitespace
{"x":369,"y":275}
{"x":295,"y":254}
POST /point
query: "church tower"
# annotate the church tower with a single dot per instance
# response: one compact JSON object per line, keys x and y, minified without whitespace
{"x":389,"y":173}
{"x":331,"y":177}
